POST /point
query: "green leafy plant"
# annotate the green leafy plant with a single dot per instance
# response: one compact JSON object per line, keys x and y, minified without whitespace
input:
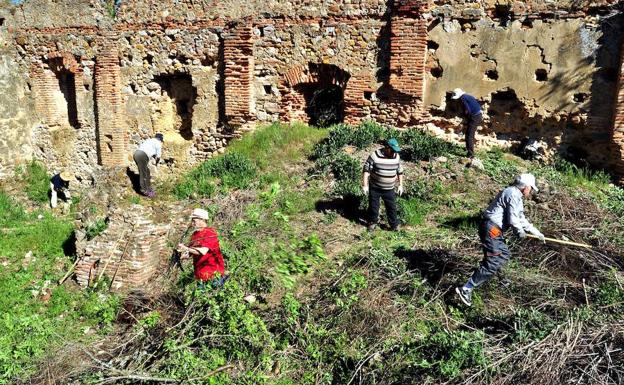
{"x":297,"y":258}
{"x":96,"y":228}
{"x":499,"y":167}
{"x":37,"y":181}
{"x":610,"y":292}
{"x":100,"y":306}
{"x":346,"y":292}
{"x":231,"y":170}
{"x":419,"y":145}
{"x":150,"y":320}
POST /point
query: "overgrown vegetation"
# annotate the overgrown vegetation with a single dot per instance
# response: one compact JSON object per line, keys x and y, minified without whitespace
{"x":36,"y":180}
{"x":36,"y":313}
{"x":312,"y":298}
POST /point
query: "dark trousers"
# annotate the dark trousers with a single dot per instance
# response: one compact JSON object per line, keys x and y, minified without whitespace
{"x":474,"y":121}
{"x":389,"y":198}
{"x":495,"y":253}
{"x":142,"y":161}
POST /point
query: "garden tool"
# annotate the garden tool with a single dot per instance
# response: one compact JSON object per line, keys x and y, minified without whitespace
{"x":553,"y":240}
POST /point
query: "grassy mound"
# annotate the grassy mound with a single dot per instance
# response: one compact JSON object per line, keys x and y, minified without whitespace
{"x":315,"y":299}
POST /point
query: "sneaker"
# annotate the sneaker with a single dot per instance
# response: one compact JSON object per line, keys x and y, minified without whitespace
{"x":372,"y":227}
{"x":395,"y":228}
{"x":465,"y":295}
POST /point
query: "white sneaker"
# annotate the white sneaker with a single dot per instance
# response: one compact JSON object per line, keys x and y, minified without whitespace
{"x":465,"y":295}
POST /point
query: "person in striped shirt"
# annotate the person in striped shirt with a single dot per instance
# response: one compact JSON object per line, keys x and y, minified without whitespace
{"x":381,"y":174}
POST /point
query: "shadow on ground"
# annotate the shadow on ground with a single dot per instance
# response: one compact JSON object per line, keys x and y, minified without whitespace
{"x":348,"y":207}
{"x":134,"y":179}
{"x":432,"y":264}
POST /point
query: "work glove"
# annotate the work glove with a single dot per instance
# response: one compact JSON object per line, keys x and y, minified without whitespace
{"x":521,"y":235}
{"x":400,"y":190}
{"x":538,"y":234}
{"x":365,"y":190}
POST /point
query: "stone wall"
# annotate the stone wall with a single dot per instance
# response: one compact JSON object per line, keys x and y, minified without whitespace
{"x":91,"y":87}
{"x":16,"y":105}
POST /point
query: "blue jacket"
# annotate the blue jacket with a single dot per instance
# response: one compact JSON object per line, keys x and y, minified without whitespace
{"x":471,"y":105}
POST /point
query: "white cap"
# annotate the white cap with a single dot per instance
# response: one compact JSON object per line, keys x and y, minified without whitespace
{"x":200,"y":213}
{"x":527,"y":180}
{"x":457,"y":93}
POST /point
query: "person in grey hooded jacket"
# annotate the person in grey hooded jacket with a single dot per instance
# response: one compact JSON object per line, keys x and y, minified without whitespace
{"x":504,"y":212}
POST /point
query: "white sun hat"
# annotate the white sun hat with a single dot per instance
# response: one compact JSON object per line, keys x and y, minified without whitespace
{"x":199,"y":213}
{"x":527,"y":180}
{"x":457,"y":93}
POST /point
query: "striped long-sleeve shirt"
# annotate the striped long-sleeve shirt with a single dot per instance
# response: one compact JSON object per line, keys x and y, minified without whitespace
{"x":383,"y":171}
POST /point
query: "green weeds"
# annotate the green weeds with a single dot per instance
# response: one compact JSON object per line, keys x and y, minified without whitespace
{"x":96,"y":228}
{"x":37,"y":314}
{"x":499,"y":166}
{"x":610,"y":292}
{"x":231,"y":170}
{"x":36,"y":179}
{"x":422,"y":146}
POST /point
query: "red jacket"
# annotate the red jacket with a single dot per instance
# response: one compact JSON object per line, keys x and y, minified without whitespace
{"x":208,"y":264}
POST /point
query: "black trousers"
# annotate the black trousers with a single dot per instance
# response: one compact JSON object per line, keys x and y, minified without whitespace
{"x":474,"y":121}
{"x":142,"y":161}
{"x":389,"y":198}
{"x":495,"y":253}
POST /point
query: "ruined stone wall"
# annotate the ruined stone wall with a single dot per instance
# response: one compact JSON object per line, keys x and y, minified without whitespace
{"x":202,"y":71}
{"x":534,"y":81}
{"x":16,"y":106}
{"x":541,"y":70}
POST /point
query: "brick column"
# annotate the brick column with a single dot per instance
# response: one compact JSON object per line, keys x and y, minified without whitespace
{"x":112,"y":139}
{"x":355,"y":102}
{"x":408,"y":49}
{"x":408,"y":52}
{"x":618,"y":125}
{"x":45,"y":84}
{"x":239,"y":70}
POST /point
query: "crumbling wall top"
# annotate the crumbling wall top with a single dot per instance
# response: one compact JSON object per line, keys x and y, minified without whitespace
{"x":190,"y":10}
{"x":57,"y":14}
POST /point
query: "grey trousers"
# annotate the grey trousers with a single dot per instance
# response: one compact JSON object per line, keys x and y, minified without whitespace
{"x":495,"y":253}
{"x":142,"y":161}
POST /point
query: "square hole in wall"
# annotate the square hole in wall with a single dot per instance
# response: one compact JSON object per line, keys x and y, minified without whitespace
{"x":580,"y":97}
{"x":1,"y":21}
{"x":541,"y":75}
{"x":368,"y":95}
{"x":268,"y":89}
{"x":491,"y":74}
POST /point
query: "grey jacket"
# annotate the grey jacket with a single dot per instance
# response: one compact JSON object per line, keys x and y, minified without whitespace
{"x":507,"y":210}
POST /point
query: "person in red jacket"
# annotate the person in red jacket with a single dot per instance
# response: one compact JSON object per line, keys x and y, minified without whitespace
{"x":205,"y":250}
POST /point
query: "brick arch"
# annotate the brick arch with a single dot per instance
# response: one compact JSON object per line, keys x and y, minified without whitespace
{"x":321,"y":73}
{"x":63,"y":60}
{"x":56,"y":83}
{"x":293,"y":103}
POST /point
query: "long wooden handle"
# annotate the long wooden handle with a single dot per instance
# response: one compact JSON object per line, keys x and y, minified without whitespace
{"x":561,"y":241}
{"x":71,"y":269}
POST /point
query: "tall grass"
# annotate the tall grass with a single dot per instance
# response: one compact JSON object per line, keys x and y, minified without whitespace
{"x":36,"y":179}
{"x":277,"y":145}
{"x":29,"y":324}
{"x":258,"y":158}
